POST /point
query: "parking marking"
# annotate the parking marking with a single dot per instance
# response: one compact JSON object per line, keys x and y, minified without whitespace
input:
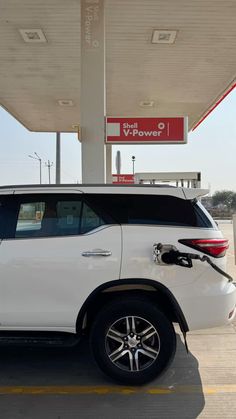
{"x":103,"y":390}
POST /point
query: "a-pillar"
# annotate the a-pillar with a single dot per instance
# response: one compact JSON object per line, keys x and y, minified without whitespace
{"x":93,"y":98}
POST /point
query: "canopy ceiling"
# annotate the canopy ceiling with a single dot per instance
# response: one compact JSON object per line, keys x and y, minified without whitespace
{"x":183,"y":78}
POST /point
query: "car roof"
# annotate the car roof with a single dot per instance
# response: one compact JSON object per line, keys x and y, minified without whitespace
{"x":144,"y":189}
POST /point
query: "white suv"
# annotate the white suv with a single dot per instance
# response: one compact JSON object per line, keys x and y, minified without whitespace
{"x":89,"y":258}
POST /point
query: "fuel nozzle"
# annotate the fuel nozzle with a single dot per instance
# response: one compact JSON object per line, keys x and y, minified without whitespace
{"x":171,"y":257}
{"x":174,"y":257}
{"x":164,"y":250}
{"x":167,"y":254}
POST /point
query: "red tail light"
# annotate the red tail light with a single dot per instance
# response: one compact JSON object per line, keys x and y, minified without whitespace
{"x":213,"y":247}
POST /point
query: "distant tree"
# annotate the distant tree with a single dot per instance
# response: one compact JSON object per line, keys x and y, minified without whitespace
{"x":234,"y":202}
{"x":224,"y":198}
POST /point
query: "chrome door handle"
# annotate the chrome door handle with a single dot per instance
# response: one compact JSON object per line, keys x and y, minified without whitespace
{"x":96,"y":252}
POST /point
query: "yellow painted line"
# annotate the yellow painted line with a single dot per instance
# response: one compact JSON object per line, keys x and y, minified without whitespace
{"x":103,"y":390}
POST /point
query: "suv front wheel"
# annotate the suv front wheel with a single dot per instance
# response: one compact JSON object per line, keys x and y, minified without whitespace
{"x":132,"y":341}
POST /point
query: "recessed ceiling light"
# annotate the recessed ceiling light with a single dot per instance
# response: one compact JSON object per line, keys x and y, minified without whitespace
{"x":65,"y":102}
{"x":146,"y":103}
{"x":33,"y":35}
{"x":163,"y":36}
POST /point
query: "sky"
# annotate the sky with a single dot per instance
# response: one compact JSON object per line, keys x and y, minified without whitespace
{"x":211,"y":150}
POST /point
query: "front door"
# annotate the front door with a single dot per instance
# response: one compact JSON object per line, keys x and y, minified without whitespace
{"x":57,"y":251}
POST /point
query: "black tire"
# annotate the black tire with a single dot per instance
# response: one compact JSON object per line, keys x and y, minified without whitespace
{"x":132,"y":358}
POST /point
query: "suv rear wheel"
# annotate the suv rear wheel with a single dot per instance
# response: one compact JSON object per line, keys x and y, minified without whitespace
{"x":132,"y":341}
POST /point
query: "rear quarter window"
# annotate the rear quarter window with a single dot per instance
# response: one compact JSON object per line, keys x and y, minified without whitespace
{"x":204,"y":219}
{"x":151,"y":209}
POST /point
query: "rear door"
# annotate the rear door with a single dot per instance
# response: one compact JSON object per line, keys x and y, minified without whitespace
{"x":57,"y":250}
{"x":150,"y":219}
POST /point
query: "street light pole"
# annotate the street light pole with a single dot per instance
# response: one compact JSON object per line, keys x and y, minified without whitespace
{"x":133,"y":160}
{"x":49,"y":165}
{"x":40,"y":165}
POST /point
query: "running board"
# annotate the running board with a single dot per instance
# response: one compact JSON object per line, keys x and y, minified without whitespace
{"x":38,"y":339}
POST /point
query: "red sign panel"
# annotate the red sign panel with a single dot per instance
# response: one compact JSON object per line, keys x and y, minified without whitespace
{"x":147,"y":130}
{"x":122,"y":179}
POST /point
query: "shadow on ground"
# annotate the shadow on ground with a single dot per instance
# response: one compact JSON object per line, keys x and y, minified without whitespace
{"x":75,"y":367}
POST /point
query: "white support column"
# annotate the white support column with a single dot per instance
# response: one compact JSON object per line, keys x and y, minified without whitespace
{"x":92,"y":100}
{"x":58,"y":158}
{"x":108,"y":163}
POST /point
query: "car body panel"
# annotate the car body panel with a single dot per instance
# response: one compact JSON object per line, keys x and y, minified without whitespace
{"x":44,"y":281}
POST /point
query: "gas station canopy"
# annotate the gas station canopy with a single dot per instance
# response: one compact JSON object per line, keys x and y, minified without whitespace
{"x":163,"y":58}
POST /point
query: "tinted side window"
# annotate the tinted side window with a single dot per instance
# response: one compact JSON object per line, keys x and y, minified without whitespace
{"x":1,"y":217}
{"x":90,"y":219}
{"x":48,"y":215}
{"x":203,"y":218}
{"x":54,"y":215}
{"x":29,"y":219}
{"x":149,"y":209}
{"x":7,"y":216}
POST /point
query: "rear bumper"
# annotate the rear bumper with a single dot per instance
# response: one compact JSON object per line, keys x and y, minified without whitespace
{"x":208,"y":306}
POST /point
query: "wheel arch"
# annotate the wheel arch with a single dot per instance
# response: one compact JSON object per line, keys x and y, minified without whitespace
{"x":152,"y":290}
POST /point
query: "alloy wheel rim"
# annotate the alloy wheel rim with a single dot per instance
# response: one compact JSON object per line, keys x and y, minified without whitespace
{"x":132,"y":343}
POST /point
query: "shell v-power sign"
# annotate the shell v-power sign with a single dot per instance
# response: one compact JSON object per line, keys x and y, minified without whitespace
{"x":146,"y":130}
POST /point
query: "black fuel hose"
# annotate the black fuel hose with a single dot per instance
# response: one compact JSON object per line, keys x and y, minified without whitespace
{"x":220,"y":271}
